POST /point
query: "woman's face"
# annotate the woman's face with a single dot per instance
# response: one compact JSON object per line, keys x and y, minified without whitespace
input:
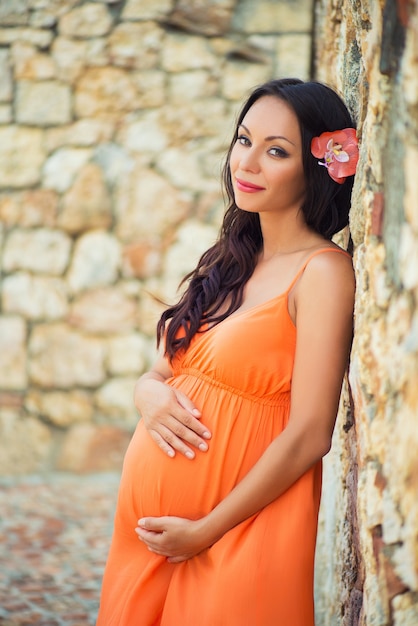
{"x":266,"y":160}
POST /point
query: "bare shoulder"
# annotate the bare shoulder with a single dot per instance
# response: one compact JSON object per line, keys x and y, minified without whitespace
{"x":325,"y":289}
{"x":331,"y":264}
{"x":330,"y":272}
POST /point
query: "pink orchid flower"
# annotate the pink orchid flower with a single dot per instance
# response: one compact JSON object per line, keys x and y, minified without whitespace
{"x":339,"y":149}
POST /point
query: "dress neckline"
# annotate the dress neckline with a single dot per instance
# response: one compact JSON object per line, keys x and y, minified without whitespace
{"x":283,"y":294}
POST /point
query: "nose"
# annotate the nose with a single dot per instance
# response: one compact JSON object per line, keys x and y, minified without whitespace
{"x":249,"y":161}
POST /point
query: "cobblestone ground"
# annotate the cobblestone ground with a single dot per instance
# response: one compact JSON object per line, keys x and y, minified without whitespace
{"x":54,"y":537}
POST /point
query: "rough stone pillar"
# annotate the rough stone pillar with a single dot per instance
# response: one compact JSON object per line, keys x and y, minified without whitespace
{"x":368,"y":553}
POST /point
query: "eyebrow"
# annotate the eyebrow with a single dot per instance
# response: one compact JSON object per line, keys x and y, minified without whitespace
{"x":271,"y":137}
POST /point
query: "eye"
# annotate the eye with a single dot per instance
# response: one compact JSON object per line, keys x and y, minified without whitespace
{"x":243,"y":140}
{"x":278,"y":152}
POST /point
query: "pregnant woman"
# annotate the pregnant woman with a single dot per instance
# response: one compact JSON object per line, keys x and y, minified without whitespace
{"x":224,"y":534}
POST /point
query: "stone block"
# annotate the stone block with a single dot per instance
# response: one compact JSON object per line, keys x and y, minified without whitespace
{"x":136,"y":45}
{"x":107,"y":90}
{"x":181,"y":53}
{"x":87,"y":204}
{"x":35,"y":297}
{"x":105,"y":310}
{"x":39,"y":37}
{"x":207,"y":18}
{"x":89,"y":448}
{"x":60,"y":356}
{"x":146,"y":9}
{"x":61,"y":408}
{"x":270,"y":16}
{"x":86,"y":21}
{"x":21,"y":156}
{"x":95,"y":261}
{"x":39,"y":250}
{"x":14,"y":12}
{"x":46,"y":103}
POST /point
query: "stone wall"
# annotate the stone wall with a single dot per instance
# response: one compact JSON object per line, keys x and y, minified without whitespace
{"x":368,"y":553}
{"x":114,"y":119}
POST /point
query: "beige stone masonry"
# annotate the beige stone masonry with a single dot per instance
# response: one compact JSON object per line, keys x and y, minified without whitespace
{"x":114,"y":121}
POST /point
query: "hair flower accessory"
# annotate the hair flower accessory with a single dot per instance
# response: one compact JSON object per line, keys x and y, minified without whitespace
{"x":339,"y":149}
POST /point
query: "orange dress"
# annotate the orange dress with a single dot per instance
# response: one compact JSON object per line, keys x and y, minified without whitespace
{"x":260,"y":573}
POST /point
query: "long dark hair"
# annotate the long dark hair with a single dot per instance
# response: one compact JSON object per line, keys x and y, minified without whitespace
{"x":224,"y":269}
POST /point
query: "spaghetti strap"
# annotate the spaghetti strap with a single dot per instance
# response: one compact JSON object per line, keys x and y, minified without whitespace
{"x":308,"y":259}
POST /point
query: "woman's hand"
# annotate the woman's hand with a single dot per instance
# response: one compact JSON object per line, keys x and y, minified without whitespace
{"x":176,"y":538}
{"x":170,"y":417}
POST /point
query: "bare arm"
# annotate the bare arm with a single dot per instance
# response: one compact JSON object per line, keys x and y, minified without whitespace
{"x":324,"y":307}
{"x":169,"y":416}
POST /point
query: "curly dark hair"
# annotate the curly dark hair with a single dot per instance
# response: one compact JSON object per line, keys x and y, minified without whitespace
{"x":224,"y":269}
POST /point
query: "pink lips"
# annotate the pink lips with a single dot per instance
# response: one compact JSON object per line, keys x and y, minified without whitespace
{"x":242,"y":185}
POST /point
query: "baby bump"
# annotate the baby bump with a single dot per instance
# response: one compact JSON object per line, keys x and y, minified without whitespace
{"x":154,"y":484}
{"x":159,"y":485}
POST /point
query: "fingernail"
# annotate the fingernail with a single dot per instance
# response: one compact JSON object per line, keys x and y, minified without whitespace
{"x":190,"y":455}
{"x":203,"y":447}
{"x":207,"y":434}
{"x":195,"y":411}
{"x":171,"y":453}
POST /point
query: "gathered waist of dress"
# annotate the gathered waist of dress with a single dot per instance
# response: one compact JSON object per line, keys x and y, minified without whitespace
{"x":278,"y":398}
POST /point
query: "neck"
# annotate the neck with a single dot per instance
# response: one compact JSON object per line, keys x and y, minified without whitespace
{"x":285,"y":236}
